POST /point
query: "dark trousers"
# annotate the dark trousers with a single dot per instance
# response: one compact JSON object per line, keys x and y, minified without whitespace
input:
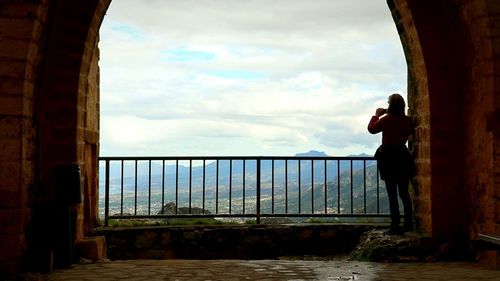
{"x":401,"y":187}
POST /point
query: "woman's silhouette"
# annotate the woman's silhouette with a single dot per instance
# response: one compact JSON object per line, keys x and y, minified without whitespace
{"x":394,"y":160}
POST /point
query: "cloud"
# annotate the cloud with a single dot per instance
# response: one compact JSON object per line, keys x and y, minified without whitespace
{"x":245,"y":77}
{"x":185,"y":54}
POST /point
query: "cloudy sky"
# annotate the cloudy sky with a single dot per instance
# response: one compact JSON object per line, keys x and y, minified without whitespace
{"x":246,"y":77}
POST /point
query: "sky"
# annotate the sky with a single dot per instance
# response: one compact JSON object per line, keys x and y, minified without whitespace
{"x":246,"y":77}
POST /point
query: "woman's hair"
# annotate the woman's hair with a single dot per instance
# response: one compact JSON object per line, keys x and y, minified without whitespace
{"x":396,"y":105}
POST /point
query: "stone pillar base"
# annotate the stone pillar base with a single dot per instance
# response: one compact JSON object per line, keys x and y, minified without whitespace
{"x":93,"y":248}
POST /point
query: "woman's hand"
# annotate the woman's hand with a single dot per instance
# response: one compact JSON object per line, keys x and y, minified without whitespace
{"x":380,"y":111}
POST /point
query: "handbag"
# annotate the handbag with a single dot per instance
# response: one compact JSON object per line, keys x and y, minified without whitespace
{"x":378,"y":153}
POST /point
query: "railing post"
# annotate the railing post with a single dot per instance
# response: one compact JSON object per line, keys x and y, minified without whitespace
{"x":106,"y":198}
{"x":378,"y":189}
{"x":258,"y":192}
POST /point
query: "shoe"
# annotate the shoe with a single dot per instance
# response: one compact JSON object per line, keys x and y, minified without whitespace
{"x":408,"y":228}
{"x":394,"y":231}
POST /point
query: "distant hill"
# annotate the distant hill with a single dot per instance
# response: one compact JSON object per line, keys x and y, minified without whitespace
{"x":197,"y":172}
{"x":312,"y":153}
{"x":359,"y":155}
{"x":315,"y":153}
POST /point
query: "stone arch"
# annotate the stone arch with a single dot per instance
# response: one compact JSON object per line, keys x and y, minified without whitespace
{"x":418,"y":94}
{"x":69,"y":98}
{"x":450,"y":50}
{"x":436,"y":93}
{"x":48,"y":79}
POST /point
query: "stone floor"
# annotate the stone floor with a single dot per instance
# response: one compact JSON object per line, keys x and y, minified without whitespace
{"x":151,"y":270}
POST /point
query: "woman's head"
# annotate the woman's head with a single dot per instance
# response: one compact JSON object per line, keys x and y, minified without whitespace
{"x":396,"y":105}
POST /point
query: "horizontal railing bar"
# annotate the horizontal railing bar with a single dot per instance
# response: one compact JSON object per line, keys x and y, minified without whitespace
{"x":184,"y":216}
{"x":305,"y":215}
{"x":250,"y":215}
{"x":139,"y":158}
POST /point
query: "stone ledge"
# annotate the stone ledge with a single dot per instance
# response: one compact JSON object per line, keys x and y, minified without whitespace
{"x":232,"y":242}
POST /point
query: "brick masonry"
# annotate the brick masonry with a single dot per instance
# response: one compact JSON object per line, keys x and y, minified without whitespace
{"x":452,"y":53}
{"x":49,"y":113}
{"x":48,"y":50}
{"x":21,"y":29}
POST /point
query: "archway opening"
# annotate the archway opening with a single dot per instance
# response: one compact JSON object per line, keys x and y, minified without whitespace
{"x":240,"y":79}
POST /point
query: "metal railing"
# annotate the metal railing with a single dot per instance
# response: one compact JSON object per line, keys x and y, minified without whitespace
{"x":240,"y":187}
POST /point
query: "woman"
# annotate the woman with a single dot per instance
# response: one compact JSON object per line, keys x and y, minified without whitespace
{"x":394,"y":160}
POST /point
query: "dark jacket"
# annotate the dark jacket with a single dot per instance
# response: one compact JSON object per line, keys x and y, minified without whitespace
{"x":395,"y":162}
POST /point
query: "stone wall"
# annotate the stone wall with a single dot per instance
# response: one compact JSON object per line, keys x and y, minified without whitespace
{"x":48,"y":116}
{"x":68,"y":120}
{"x":482,"y":122}
{"x":451,"y":54}
{"x":418,"y":103}
{"x":69,"y":110}
{"x":231,"y":242}
{"x":431,"y":37}
{"x":89,"y":209}
{"x":22,"y":38}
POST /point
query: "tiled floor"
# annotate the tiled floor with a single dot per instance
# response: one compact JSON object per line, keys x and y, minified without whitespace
{"x":151,"y":270}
